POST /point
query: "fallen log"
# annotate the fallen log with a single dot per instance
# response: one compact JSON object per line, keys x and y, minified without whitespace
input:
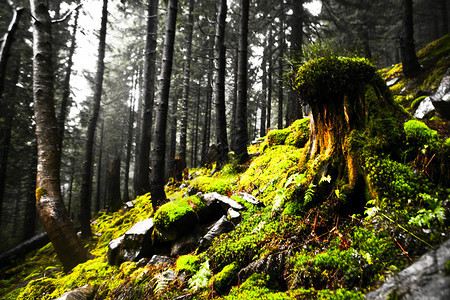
{"x":19,"y":251}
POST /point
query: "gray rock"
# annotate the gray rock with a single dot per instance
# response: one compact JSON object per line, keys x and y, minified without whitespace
{"x":82,"y":293}
{"x":159,"y":259}
{"x":234,"y":216}
{"x":225,"y":202}
{"x":188,"y":242}
{"x":273,"y":265}
{"x":133,"y":245}
{"x":441,"y":99}
{"x":392,"y":82}
{"x":250,"y":199}
{"x":425,"y":279}
{"x":425,"y":107}
{"x":221,"y":226}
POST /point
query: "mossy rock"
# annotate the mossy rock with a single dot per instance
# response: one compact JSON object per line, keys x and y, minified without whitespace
{"x":421,"y":135}
{"x":207,"y":184}
{"x":222,"y":280}
{"x":177,"y":217}
{"x":299,"y":134}
{"x":277,"y":137}
{"x":188,"y":263}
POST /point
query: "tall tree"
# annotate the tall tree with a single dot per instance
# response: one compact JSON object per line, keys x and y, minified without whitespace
{"x":280,"y":67}
{"x":411,"y":65}
{"x":269,"y":79}
{"x":86,"y":185}
{"x":219,"y":92}
{"x":159,"y":146}
{"x":7,"y":41}
{"x":49,"y":203}
{"x":241,"y":107}
{"x":186,"y":83}
{"x":142,"y":183}
{"x":66,"y":85}
{"x":293,"y":108}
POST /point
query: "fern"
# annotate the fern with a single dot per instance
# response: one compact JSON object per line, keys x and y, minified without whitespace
{"x":426,"y":216}
{"x":200,"y":279}
{"x":162,"y":280}
{"x":309,"y":194}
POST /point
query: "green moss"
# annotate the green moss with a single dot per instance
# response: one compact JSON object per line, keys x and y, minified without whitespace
{"x":207,"y":184}
{"x":326,"y":79}
{"x":299,"y":134}
{"x":277,"y":137}
{"x":222,"y":279}
{"x":188,"y":263}
{"x":172,"y":211}
{"x":38,"y":289}
{"x":447,"y":267}
{"x":419,"y":134}
{"x":40,"y":192}
{"x":416,"y":102}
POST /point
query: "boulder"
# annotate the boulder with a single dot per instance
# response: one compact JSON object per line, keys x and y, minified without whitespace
{"x":133,"y":245}
{"x":188,"y":242}
{"x":82,"y":293}
{"x":425,"y":107}
{"x":224,"y":201}
{"x":273,"y":265}
{"x":223,"y":225}
{"x":441,"y":99}
{"x":427,"y":278}
{"x":234,"y":216}
{"x":250,"y":199}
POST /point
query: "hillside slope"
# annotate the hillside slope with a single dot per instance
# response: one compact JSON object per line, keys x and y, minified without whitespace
{"x":311,"y":236}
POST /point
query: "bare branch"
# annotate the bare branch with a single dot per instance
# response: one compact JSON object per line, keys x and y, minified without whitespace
{"x":64,"y":18}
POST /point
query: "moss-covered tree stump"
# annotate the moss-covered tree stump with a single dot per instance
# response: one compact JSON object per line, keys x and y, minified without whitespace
{"x":348,"y":100}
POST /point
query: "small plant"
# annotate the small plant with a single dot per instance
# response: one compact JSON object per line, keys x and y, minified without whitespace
{"x":426,"y":216}
{"x":201,"y":279}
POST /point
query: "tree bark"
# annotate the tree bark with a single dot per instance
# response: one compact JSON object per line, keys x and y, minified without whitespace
{"x":99,"y":170}
{"x":86,"y":184}
{"x":114,"y":200}
{"x":411,"y":65}
{"x":280,"y":67}
{"x":186,"y":84}
{"x":126,"y":194}
{"x":159,"y":148}
{"x":49,"y":203}
{"x":29,"y":225}
{"x":269,"y":80}
{"x":444,"y":16}
{"x":219,"y":93}
{"x":262,"y":128}
{"x":66,"y":85}
{"x":207,"y":120}
{"x":241,"y":107}
{"x":173,"y":136}
{"x":142,"y":183}
{"x":234,"y":103}
{"x":293,"y":108}
{"x":5,"y":47}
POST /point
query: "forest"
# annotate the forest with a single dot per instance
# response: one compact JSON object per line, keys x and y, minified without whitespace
{"x":265,"y":149}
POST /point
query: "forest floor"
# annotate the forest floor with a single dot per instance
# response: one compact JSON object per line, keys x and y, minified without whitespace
{"x":303,"y":243}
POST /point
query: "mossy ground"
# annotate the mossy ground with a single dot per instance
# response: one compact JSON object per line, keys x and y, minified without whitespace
{"x":332,"y":255}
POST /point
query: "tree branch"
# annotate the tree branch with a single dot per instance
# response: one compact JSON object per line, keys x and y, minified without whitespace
{"x":64,"y":18}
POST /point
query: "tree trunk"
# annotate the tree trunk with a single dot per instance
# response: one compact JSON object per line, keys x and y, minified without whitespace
{"x":241,"y":107}
{"x":186,"y":84}
{"x":66,"y":85}
{"x":114,"y":199}
{"x":29,"y":225}
{"x":219,"y":93}
{"x":173,"y":136}
{"x":293,"y":108}
{"x":233,"y":106}
{"x":142,"y":183}
{"x":444,"y":16}
{"x":126,"y":194}
{"x":4,"y":146}
{"x":86,"y":185}
{"x":280,"y":67}
{"x":411,"y":65}
{"x":159,"y":148}
{"x":262,"y":128}
{"x":6,"y":44}
{"x":207,"y":120}
{"x":99,"y":170}
{"x":49,"y":203}
{"x":269,"y":80}
{"x":197,"y":124}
